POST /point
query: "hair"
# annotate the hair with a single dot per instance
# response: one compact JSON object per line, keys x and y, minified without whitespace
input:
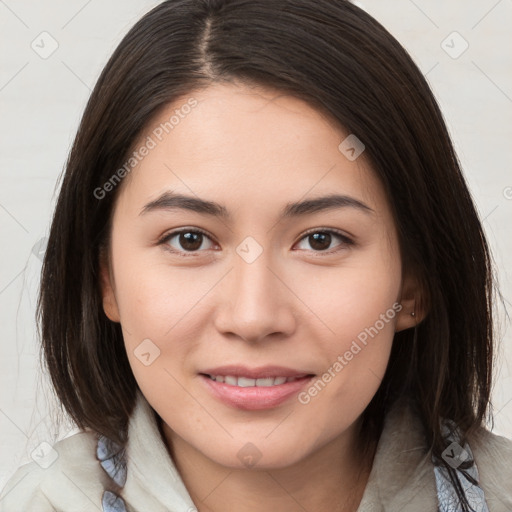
{"x":340,"y":60}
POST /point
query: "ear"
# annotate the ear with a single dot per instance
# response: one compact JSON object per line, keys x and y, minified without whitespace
{"x":413,"y":301}
{"x":110,"y":306}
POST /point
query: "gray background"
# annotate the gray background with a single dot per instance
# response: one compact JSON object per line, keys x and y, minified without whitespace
{"x":42,"y":97}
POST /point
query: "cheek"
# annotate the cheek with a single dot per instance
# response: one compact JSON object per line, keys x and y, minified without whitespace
{"x":357,"y":307}
{"x":351,"y":297}
{"x":155,"y":304}
{"x":153,"y":298}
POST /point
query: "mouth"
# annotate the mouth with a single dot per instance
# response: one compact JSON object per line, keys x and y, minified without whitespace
{"x":246,"y":382}
{"x":254,"y":393}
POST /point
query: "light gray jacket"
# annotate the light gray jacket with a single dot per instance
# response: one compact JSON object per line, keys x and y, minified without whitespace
{"x":81,"y":475}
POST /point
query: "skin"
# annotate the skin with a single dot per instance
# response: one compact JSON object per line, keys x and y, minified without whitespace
{"x":253,"y":151}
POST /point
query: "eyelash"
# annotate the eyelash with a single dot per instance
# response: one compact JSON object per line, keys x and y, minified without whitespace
{"x":346,"y":241}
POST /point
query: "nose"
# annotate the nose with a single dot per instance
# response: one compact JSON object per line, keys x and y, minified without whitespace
{"x":255,"y":301}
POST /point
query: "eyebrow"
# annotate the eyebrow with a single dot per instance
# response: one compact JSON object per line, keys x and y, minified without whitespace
{"x":172,"y":201}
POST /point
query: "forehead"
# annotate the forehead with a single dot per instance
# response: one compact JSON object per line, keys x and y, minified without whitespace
{"x":247,"y":146}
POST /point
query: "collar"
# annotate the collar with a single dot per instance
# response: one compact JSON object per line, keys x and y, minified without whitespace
{"x":402,"y":476}
{"x":153,"y":482}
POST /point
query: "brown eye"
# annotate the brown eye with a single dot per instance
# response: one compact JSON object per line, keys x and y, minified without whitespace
{"x":320,"y":241}
{"x":186,"y":240}
{"x":190,"y":241}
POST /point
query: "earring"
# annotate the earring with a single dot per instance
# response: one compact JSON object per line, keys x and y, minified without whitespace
{"x":413,"y":314}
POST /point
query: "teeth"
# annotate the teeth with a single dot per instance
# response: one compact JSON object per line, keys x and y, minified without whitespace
{"x":269,"y":381}
{"x":245,"y":382}
{"x":228,"y":379}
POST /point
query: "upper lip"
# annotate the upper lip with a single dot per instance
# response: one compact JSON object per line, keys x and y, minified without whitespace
{"x":260,"y":372}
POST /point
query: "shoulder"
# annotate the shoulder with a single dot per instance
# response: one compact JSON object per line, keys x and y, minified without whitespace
{"x":65,"y":476}
{"x":492,"y":453}
{"x":493,"y":457}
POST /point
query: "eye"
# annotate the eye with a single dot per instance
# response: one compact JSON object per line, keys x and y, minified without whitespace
{"x":320,"y":240}
{"x":185,"y":240}
{"x":191,"y":241}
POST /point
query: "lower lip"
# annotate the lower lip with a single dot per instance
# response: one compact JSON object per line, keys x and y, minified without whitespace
{"x":255,"y":397}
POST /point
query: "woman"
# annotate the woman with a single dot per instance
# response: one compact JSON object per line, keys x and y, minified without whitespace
{"x":266,"y":285}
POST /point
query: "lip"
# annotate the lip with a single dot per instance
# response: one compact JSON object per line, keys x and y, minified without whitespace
{"x":254,"y":398}
{"x":262,"y":372}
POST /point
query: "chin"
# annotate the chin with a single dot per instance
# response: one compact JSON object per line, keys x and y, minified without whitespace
{"x":252,"y":456}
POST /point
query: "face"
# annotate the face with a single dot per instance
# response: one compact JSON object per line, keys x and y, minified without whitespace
{"x":252,"y":281}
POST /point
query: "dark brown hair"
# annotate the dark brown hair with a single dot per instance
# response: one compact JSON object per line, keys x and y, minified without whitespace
{"x":340,"y":60}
